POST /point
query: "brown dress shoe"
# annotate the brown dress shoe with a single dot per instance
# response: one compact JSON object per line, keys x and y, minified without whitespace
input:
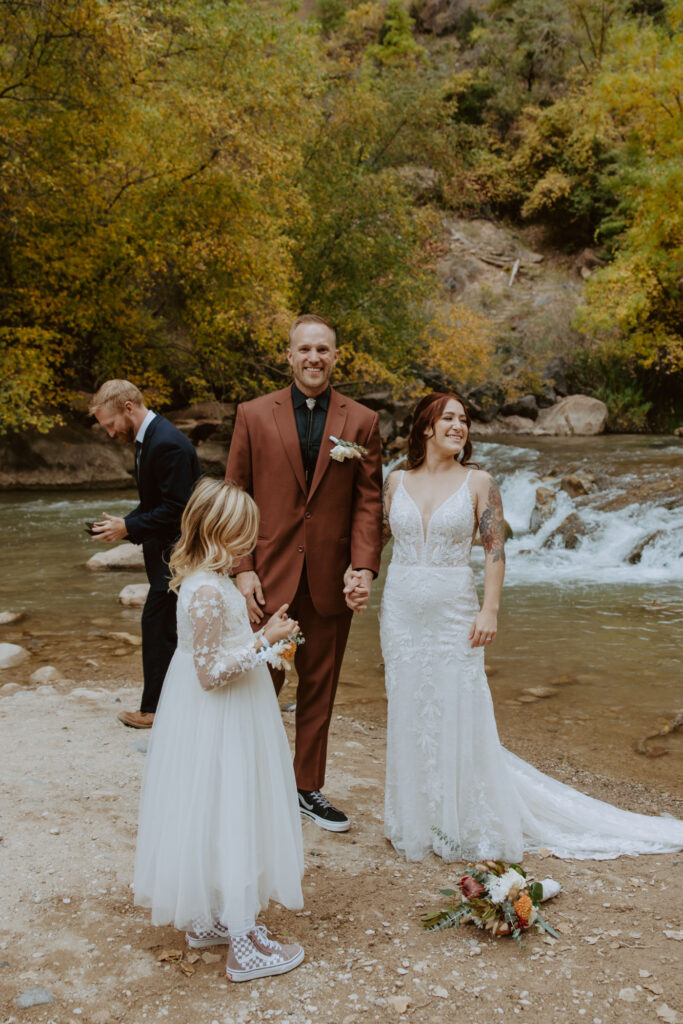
{"x":137,"y":719}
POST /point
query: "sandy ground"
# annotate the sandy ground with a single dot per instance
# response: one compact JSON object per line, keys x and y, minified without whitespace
{"x":71,"y":778}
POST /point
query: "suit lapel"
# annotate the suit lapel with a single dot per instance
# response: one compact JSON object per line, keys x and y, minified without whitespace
{"x":146,"y":444}
{"x":283,"y":411}
{"x":334,"y":425}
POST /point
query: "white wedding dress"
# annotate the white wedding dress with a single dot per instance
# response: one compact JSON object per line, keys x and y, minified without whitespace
{"x":446,"y":768}
{"x":220,"y":831}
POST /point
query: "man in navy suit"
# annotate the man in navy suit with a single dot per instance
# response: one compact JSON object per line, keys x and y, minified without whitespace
{"x":166,"y":470}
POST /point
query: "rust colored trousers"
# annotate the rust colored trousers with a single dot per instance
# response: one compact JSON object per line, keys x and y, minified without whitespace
{"x":318,"y":664}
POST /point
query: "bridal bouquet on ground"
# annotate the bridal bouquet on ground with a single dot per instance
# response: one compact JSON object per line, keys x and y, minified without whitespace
{"x":496,"y":896}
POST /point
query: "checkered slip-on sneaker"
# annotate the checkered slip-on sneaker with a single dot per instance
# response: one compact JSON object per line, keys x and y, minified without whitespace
{"x":207,"y":933}
{"x":257,"y":956}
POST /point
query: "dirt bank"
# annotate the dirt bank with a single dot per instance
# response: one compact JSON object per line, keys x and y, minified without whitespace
{"x":72,"y":777}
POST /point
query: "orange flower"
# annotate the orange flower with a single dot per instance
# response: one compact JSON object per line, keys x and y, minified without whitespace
{"x":523,"y":907}
{"x":288,"y":651}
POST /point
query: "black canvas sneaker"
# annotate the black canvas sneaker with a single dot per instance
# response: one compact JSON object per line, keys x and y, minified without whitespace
{"x":315,"y":806}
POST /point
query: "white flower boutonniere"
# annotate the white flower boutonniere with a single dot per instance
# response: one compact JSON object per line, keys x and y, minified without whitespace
{"x":346,"y":450}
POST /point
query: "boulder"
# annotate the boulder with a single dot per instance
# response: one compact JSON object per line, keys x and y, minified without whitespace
{"x":8,"y":618}
{"x":213,"y":458}
{"x":9,"y":689}
{"x":67,"y":458}
{"x":12,"y":655}
{"x":525,"y":406}
{"x":515,"y":424}
{"x":577,"y":415}
{"x":45,"y":674}
{"x":377,"y":400}
{"x":546,"y":501}
{"x":134,"y":594}
{"x":576,"y":484}
{"x":570,"y":531}
{"x":123,"y":557}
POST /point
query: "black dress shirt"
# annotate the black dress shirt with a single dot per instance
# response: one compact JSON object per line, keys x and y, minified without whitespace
{"x":310,"y":425}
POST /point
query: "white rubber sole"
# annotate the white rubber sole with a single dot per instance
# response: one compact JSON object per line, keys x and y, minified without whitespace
{"x":195,"y":943}
{"x":265,"y":972}
{"x":329,"y":826}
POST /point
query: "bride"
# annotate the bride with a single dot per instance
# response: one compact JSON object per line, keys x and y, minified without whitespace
{"x":451,"y":787}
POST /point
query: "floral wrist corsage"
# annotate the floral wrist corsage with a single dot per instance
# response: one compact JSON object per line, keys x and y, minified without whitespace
{"x":281,"y":654}
{"x":346,"y":450}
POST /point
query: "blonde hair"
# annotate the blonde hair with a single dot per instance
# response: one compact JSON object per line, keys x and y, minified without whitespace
{"x":311,"y":318}
{"x":115,"y":393}
{"x":220,"y":522}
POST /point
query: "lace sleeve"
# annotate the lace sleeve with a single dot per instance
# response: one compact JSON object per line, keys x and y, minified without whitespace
{"x":215,"y":664}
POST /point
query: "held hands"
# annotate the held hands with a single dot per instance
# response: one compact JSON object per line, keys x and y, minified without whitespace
{"x":109,"y":528}
{"x":280,"y":626}
{"x":484,"y":629}
{"x":357,"y":586}
{"x":249,"y":585}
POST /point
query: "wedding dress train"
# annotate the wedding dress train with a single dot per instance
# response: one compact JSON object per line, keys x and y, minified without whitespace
{"x":446,"y":768}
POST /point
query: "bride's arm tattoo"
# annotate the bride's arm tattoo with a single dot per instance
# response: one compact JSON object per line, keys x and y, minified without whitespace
{"x":492,"y":525}
{"x":386,"y":503}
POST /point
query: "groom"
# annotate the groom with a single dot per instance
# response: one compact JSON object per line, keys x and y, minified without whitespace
{"x":320,"y":529}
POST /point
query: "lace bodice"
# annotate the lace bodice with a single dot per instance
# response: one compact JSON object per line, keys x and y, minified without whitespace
{"x":449,"y":533}
{"x":213,"y":626}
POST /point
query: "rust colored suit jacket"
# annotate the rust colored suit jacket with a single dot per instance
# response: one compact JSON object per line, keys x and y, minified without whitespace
{"x":337,"y":522}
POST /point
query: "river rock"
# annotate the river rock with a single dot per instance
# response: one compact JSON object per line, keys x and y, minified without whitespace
{"x":7,"y":618}
{"x":126,"y":638}
{"x":134,"y":594}
{"x":576,"y":415}
{"x":570,"y":531}
{"x":123,"y":556}
{"x":33,"y":997}
{"x":45,"y":674}
{"x":12,"y":655}
{"x":576,"y":484}
{"x":555,"y":372}
{"x":9,"y":689}
{"x":387,"y":427}
{"x":637,"y":553}
{"x":546,"y":502}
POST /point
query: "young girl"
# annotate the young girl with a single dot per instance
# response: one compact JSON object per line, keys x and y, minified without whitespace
{"x":219,"y":832}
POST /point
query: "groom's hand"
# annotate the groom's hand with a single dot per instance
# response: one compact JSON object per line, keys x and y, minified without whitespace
{"x":249,"y":585}
{"x":357,"y":586}
{"x":110,"y":528}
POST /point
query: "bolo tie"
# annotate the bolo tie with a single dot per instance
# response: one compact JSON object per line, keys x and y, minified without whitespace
{"x":310,"y":403}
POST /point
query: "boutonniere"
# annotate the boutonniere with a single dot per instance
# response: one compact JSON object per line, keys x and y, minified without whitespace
{"x":346,"y":450}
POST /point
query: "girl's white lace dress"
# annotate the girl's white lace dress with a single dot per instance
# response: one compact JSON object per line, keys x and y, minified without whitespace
{"x":445,"y":764}
{"x":219,"y":832}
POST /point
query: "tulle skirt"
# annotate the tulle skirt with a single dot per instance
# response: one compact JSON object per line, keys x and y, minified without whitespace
{"x":451,"y":786}
{"x":219,"y":832}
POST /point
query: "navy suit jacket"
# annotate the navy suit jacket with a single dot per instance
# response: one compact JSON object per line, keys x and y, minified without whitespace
{"x":168,"y":470}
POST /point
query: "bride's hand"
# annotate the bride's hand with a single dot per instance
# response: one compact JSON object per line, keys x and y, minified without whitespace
{"x":484,"y":629}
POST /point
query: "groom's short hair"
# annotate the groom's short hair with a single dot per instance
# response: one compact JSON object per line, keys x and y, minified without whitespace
{"x":311,"y":318}
{"x":115,"y":393}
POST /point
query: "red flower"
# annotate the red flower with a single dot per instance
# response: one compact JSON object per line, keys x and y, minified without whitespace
{"x":470,"y":887}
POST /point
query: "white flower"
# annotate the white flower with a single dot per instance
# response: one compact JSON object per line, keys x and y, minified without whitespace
{"x":346,"y":450}
{"x":499,"y":886}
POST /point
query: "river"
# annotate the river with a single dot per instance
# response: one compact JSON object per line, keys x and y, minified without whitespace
{"x":607,"y":633}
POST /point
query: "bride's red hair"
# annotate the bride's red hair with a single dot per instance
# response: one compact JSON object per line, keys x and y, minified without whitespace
{"x":428,"y":410}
